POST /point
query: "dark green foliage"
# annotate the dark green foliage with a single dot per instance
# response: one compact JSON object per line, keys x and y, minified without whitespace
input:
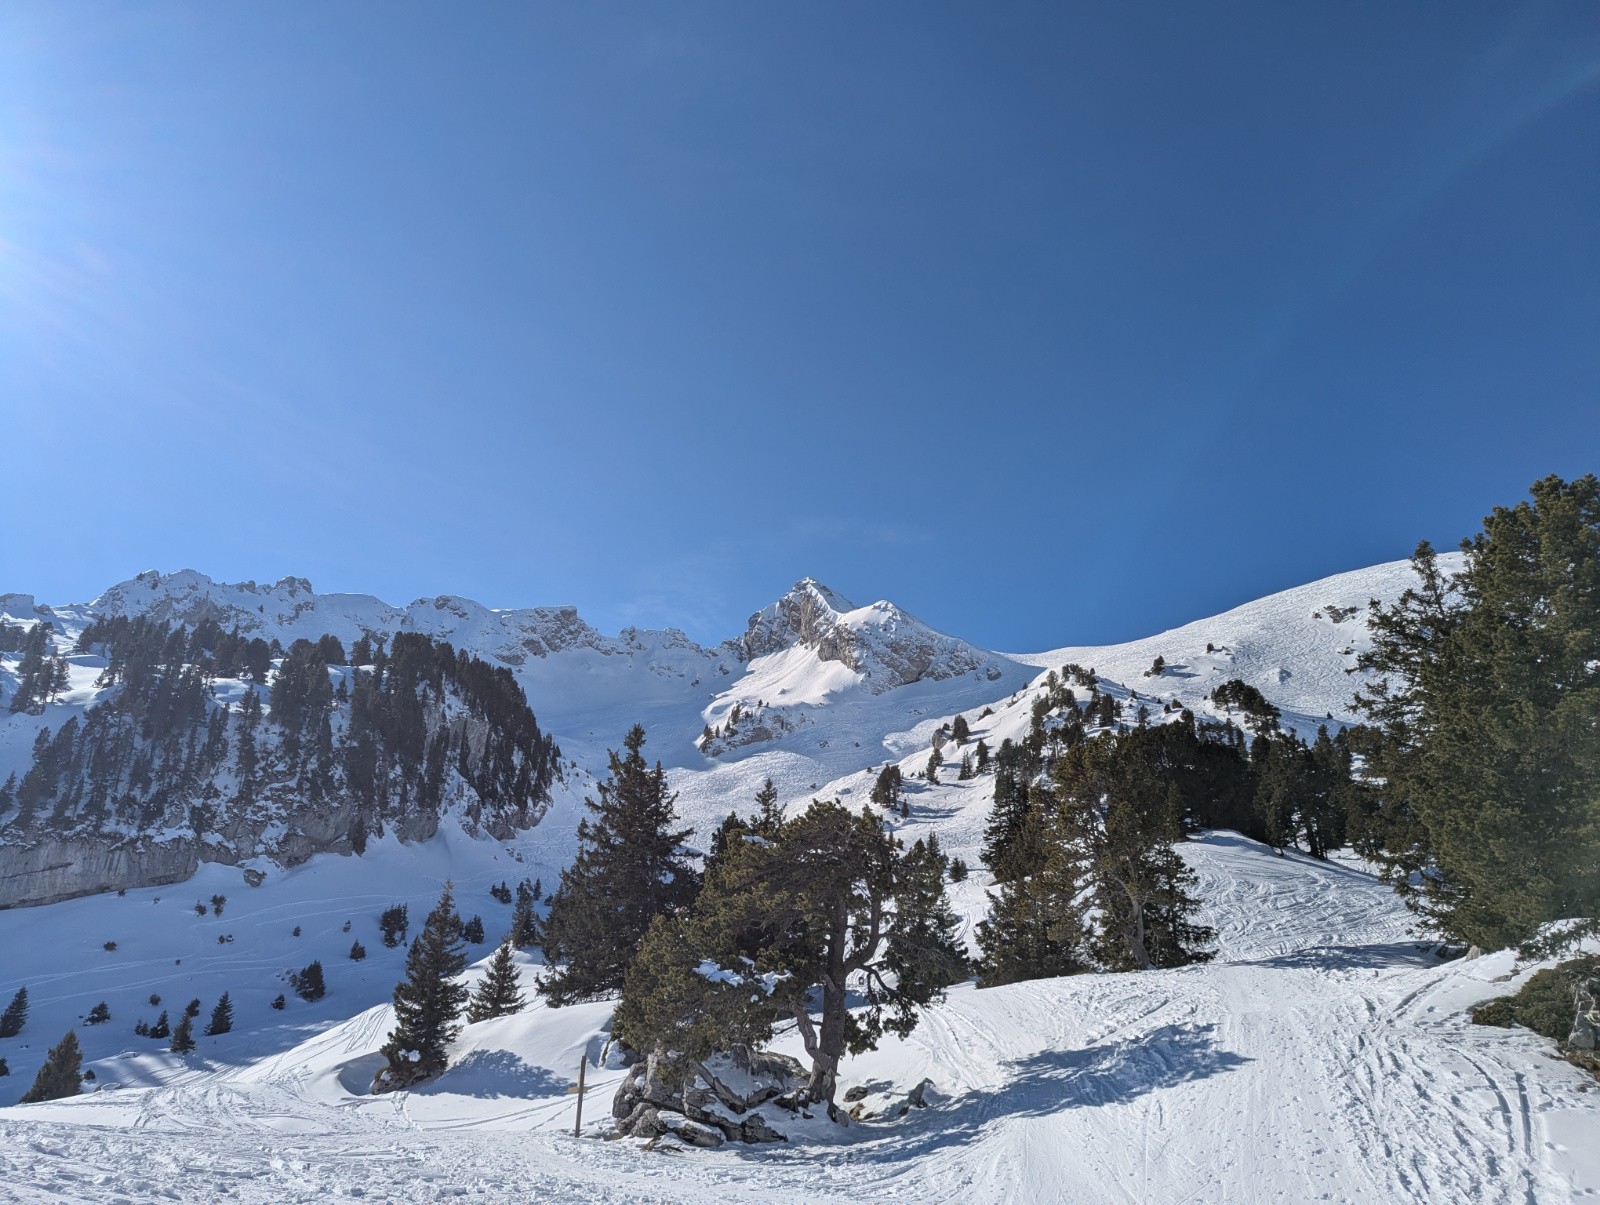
{"x":628,"y":870}
{"x":192,"y":1009}
{"x":1485,"y":713}
{"x":218,"y":902}
{"x":394,"y":922}
{"x":221,"y":1016}
{"x":154,"y":752}
{"x":524,"y":917}
{"x":960,"y":731}
{"x":935,"y":760}
{"x":5,"y":1068}
{"x":981,"y":758}
{"x":162,"y":1028}
{"x":886,"y":791}
{"x":958,"y":870}
{"x":98,"y":1015}
{"x":427,"y":1002}
{"x":1260,"y":715}
{"x":308,"y":983}
{"x":41,"y":675}
{"x":499,"y":992}
{"x":183,"y":1035}
{"x":1036,"y":927}
{"x":781,"y":922}
{"x":278,"y":1002}
{"x":1544,"y":1004}
{"x":61,"y":1075}
{"x":155,"y":999}
{"x":501,"y":892}
{"x":472,"y":930}
{"x":16,"y":1014}
{"x":109,"y":947}
{"x":357,"y":951}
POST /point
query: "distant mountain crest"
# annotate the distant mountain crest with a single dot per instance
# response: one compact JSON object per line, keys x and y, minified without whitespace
{"x":888,"y":647}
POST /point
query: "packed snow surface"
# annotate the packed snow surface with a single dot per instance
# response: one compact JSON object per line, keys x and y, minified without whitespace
{"x":1322,"y":1057}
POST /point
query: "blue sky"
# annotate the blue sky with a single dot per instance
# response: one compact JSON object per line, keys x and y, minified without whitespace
{"x":1052,"y":323}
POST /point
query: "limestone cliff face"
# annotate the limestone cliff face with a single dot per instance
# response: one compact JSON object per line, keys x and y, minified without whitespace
{"x":51,"y":869}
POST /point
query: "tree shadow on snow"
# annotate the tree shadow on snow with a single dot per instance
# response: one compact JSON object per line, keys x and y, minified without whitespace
{"x":1056,"y":1081}
{"x":1376,"y":956}
{"x":490,"y":1073}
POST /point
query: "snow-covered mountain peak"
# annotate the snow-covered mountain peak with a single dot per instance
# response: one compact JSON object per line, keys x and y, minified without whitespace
{"x":885,"y":645}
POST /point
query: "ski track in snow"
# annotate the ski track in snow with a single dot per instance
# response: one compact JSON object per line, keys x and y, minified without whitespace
{"x":1322,"y":1057}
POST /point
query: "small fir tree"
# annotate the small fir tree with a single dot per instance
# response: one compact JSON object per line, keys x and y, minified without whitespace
{"x":221,"y":1016}
{"x":309,"y":984}
{"x":357,"y":951}
{"x":98,"y":1015}
{"x":61,"y":1075}
{"x":499,"y":992}
{"x":629,"y":869}
{"x":162,"y":1028}
{"x":16,"y":1014}
{"x":524,"y":919}
{"x":427,"y":1003}
{"x":183,"y":1035}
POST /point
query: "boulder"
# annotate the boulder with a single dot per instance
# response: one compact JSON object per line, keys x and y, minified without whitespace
{"x":717,"y":1095}
{"x":1586,"y":1024}
{"x":693,"y":1132}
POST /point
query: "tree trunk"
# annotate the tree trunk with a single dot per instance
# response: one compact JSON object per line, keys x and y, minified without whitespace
{"x":830,"y":1041}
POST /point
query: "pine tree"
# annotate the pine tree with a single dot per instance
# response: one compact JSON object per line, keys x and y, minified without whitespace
{"x":629,"y":869}
{"x":786,"y":924}
{"x":524,"y":919}
{"x":309,"y":983}
{"x":357,"y":951}
{"x":887,"y":788}
{"x":16,"y":1014}
{"x":162,"y":1028}
{"x":61,"y":1075}
{"x":98,"y":1015}
{"x":1485,"y":705}
{"x":1036,"y":927}
{"x":221,"y":1016}
{"x":183,"y":1035}
{"x":960,"y":730}
{"x":427,"y":1002}
{"x":499,"y":992}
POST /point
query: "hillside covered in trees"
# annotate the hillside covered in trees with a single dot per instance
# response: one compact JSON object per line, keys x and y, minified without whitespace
{"x":227,"y":748}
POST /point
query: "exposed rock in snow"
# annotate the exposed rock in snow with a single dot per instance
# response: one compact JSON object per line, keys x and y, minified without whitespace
{"x":714,"y":1104}
{"x":882,"y":643}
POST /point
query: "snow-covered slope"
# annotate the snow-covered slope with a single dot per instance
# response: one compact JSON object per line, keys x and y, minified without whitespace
{"x":1322,"y":1057}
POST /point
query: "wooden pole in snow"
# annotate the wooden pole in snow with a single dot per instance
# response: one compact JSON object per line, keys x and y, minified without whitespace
{"x":577,"y":1126}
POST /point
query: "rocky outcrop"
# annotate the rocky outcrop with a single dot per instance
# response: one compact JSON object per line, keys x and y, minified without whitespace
{"x":882,"y":643}
{"x":1586,"y":1023}
{"x":718,"y":1101}
{"x":48,"y":870}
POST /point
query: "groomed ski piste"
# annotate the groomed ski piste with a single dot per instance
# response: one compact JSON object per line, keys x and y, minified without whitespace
{"x":1324,"y":1055}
